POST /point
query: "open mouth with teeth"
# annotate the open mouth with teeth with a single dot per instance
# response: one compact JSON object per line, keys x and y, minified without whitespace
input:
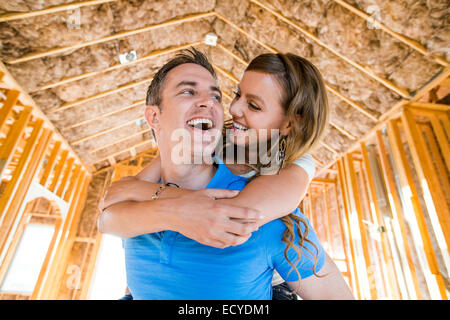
{"x":237,"y":126}
{"x":201,"y":124}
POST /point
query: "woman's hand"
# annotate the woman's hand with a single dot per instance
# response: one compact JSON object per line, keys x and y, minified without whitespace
{"x":200,"y":217}
{"x":126,"y":189}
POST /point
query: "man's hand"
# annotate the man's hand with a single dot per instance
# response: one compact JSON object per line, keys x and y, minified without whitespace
{"x":200,"y":217}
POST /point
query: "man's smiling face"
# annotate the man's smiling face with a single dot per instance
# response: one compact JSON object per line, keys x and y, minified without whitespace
{"x":190,"y":104}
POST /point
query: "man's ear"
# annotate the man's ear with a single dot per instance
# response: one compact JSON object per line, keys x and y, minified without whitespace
{"x":152,"y":114}
{"x":287,"y":124}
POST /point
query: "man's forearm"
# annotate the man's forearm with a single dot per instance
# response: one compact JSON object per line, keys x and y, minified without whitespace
{"x":129,"y":219}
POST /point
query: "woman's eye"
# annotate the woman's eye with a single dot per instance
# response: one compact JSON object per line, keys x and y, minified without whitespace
{"x":254,"y":106}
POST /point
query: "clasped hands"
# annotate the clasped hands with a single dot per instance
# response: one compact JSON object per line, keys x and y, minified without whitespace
{"x":206,"y":216}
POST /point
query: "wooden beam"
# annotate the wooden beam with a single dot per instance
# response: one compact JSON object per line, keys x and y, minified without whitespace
{"x":437,"y":156}
{"x":319,"y":180}
{"x":342,"y":233}
{"x":25,"y":99}
{"x":14,"y":204}
{"x":50,"y":163}
{"x":344,"y":192}
{"x":345,"y":132}
{"x":388,"y":84}
{"x":104,"y":115}
{"x":396,"y":208}
{"x":148,"y":56}
{"x":13,"y":184}
{"x":359,"y":210}
{"x":329,"y":148}
{"x":418,"y":224}
{"x":409,"y":42}
{"x":99,"y":95}
{"x":13,"y":138}
{"x":10,"y":251}
{"x":11,"y":99}
{"x":58,"y":264}
{"x":63,"y":184}
{"x":58,"y":169}
{"x":45,"y":265}
{"x":327,"y":225}
{"x":428,"y":176}
{"x":139,"y":155}
{"x":73,"y":182}
{"x":50,"y":10}
{"x":122,"y":151}
{"x":387,"y":258}
{"x":105,"y":131}
{"x":430,"y":106}
{"x":441,"y":139}
{"x":119,"y":141}
{"x":118,"y":35}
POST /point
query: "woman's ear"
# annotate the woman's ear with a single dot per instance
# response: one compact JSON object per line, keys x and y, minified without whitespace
{"x":287,"y":125}
{"x":152,"y":114}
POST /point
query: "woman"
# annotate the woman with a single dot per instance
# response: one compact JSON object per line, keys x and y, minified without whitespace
{"x":277,"y":91}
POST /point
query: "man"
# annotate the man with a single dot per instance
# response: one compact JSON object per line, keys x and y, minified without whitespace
{"x":167,"y":264}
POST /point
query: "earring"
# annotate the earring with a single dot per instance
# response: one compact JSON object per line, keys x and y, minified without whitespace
{"x":282,"y":152}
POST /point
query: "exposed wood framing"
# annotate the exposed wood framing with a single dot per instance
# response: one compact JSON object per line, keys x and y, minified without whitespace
{"x":357,"y":207}
{"x":13,"y":138}
{"x":387,"y":258}
{"x":427,"y":173}
{"x":409,"y":42}
{"x":16,"y":190}
{"x":388,"y":84}
{"x":102,"y":94}
{"x":150,"y":55}
{"x":419,"y":224}
{"x":104,"y":115}
{"x":118,"y":35}
{"x":53,"y":9}
{"x":99,"y":133}
{"x":346,"y":205}
{"x":396,"y":207}
{"x":8,"y":82}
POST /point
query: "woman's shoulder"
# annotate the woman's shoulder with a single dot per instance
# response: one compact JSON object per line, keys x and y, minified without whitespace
{"x":308,"y":164}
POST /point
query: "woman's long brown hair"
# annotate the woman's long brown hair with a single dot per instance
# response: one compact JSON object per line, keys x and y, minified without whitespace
{"x":305,"y":103}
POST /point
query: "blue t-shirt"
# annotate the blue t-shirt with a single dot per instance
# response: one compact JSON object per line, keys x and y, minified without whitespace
{"x":169,"y":266}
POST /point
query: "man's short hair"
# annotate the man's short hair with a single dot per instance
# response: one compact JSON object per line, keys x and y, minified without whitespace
{"x":154,"y":92}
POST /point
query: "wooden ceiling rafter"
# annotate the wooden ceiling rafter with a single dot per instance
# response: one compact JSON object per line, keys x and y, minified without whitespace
{"x":366,"y":70}
{"x":104,"y":115}
{"x":413,"y":44}
{"x":128,"y":149}
{"x":119,"y":140}
{"x":116,"y":36}
{"x":101,"y":94}
{"x":341,"y":96}
{"x":395,"y":111}
{"x":105,"y":131}
{"x":147,"y":153}
{"x":148,"y":56}
{"x":54,"y":9}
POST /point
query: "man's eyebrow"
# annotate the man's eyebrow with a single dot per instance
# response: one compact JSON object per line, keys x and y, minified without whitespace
{"x":187,"y":83}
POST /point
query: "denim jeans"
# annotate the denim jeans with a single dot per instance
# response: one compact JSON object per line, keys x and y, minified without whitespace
{"x":279,"y":292}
